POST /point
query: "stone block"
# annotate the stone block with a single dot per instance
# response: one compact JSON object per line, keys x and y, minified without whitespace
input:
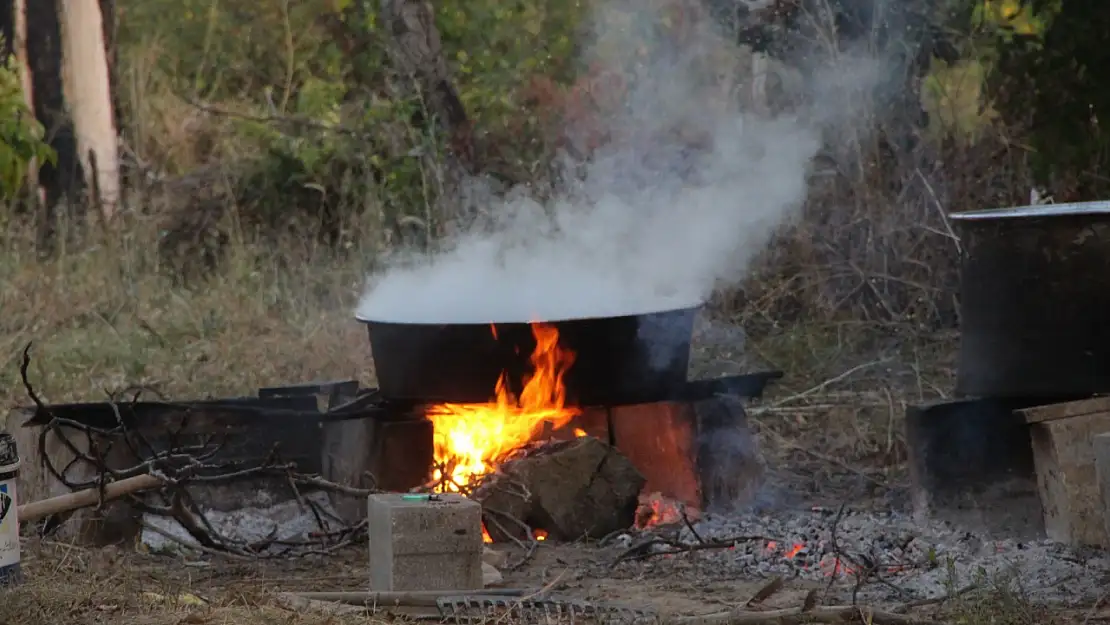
{"x":419,"y":542}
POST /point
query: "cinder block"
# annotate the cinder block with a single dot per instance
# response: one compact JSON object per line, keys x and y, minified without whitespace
{"x":420,"y":542}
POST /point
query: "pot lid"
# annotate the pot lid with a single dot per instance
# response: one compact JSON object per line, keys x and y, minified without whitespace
{"x":1038,"y":210}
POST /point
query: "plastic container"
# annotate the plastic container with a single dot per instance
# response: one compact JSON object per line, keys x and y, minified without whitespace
{"x":10,"y":573}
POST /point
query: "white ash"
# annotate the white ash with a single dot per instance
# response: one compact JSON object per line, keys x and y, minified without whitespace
{"x":913,"y":561}
{"x":288,"y":521}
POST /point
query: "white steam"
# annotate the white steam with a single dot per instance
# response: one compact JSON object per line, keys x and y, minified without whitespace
{"x":682,"y":199}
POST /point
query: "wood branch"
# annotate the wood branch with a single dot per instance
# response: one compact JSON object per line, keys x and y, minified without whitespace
{"x":85,"y":498}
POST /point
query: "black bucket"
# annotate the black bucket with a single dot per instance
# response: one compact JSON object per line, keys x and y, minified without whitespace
{"x":10,"y":573}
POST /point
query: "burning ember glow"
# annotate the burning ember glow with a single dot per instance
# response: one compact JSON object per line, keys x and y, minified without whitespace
{"x":830,"y":564}
{"x":471,"y":439}
{"x":540,"y":535}
{"x":655,"y":509}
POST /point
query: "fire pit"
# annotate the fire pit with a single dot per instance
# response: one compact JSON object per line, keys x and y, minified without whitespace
{"x":491,"y":390}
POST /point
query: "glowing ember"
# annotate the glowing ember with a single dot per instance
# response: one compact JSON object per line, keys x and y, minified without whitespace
{"x":540,"y":535}
{"x":486,"y":538}
{"x":471,"y":439}
{"x":655,"y":509}
{"x":579,"y":432}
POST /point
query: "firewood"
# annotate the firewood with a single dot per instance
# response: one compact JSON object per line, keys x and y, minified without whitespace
{"x":571,"y":489}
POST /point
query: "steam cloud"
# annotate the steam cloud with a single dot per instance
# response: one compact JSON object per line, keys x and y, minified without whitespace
{"x":678,"y":205}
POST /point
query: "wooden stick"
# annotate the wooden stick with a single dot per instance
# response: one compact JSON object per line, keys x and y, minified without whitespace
{"x":84,"y":498}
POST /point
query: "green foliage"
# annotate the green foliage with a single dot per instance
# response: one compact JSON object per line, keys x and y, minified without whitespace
{"x":21,"y":136}
{"x":1049,"y":82}
{"x":496,"y":46}
{"x":324,"y":63}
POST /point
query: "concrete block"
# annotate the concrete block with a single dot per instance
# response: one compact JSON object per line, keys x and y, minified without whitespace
{"x":424,"y":543}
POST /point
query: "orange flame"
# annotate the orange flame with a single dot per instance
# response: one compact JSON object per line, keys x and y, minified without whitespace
{"x":471,"y":439}
{"x":541,"y":535}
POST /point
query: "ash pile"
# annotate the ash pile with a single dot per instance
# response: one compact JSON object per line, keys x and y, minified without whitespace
{"x":862,"y":555}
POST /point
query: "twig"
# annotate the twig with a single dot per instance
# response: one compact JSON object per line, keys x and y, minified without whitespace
{"x":208,"y":550}
{"x":41,"y":410}
{"x":835,"y":547}
{"x":689,"y":525}
{"x":642,"y":551}
{"x":766,"y":591}
{"x":833,"y":380}
{"x":529,"y":549}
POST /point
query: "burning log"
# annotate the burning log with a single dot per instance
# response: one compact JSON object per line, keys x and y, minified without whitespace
{"x":570,"y":489}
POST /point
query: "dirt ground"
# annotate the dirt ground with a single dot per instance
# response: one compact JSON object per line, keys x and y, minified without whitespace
{"x":67,"y":584}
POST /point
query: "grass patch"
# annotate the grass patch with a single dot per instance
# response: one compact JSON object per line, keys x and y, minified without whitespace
{"x":107,"y":317}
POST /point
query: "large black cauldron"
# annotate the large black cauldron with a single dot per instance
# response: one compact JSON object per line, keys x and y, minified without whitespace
{"x":618,"y":360}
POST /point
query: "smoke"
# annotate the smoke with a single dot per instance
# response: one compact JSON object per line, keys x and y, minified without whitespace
{"x":688,"y":191}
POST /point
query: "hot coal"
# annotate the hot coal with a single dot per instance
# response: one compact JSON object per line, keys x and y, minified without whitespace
{"x":902,"y":560}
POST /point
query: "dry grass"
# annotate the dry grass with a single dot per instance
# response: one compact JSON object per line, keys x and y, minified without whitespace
{"x":66,"y":584}
{"x":106,"y":317}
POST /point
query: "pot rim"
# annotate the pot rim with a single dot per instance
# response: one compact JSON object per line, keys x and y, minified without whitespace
{"x":1035,"y":211}
{"x":685,"y":309}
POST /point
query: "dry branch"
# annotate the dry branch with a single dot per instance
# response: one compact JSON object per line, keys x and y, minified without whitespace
{"x":171,"y":470}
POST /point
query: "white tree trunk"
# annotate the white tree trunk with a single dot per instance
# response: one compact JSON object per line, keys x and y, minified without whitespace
{"x":88,"y":95}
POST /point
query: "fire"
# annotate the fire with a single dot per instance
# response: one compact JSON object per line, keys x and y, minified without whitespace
{"x":471,"y":439}
{"x":579,"y":432}
{"x":540,"y":535}
{"x":655,"y":509}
